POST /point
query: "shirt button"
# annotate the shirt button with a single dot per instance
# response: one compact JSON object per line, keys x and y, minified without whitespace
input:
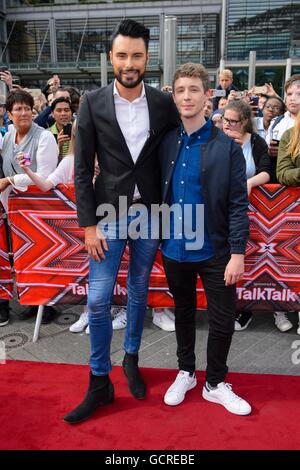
{"x":183,"y":164}
{"x":172,"y":162}
{"x":187,"y":147}
{"x":180,"y":200}
{"x":180,"y":218}
{"x":166,"y":182}
{"x":179,"y":141}
{"x":182,"y":182}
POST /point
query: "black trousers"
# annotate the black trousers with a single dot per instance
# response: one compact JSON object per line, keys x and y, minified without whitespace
{"x":182,"y":279}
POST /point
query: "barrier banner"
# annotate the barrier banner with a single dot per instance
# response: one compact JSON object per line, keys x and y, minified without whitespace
{"x":6,"y":280}
{"x":51,"y":263}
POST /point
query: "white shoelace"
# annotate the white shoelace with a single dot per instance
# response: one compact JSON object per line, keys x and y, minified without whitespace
{"x":230,"y":395}
{"x":180,"y":382}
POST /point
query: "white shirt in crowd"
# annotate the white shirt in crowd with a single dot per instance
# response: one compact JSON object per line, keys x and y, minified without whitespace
{"x":64,"y":173}
{"x":134,"y":122}
{"x":286,"y":123}
{"x":259,"y":124}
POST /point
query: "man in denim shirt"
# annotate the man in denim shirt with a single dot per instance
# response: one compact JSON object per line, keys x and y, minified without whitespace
{"x":204,"y":180}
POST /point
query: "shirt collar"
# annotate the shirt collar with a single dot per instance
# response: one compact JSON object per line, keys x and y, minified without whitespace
{"x":116,"y":93}
{"x":198,"y":132}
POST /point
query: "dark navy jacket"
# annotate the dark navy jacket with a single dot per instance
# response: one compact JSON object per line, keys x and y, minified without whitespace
{"x":224,"y":183}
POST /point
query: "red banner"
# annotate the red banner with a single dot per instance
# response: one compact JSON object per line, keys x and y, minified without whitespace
{"x":51,"y":263}
{"x":6,"y":281}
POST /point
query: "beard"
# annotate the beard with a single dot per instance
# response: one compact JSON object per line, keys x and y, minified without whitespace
{"x":129,"y":83}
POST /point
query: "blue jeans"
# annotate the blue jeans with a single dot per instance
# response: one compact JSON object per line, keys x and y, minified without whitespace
{"x":102,"y":278}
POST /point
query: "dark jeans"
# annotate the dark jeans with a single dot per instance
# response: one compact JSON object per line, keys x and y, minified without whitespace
{"x":182,"y":279}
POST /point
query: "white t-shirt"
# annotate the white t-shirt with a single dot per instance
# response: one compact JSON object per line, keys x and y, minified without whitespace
{"x":64,"y":173}
{"x":250,"y":164}
{"x":286,"y":123}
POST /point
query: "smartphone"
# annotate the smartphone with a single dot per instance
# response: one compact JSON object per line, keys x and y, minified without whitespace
{"x":254,"y":100}
{"x":68,"y":129}
{"x":218,"y":93}
{"x":3,"y":68}
{"x":260,"y":90}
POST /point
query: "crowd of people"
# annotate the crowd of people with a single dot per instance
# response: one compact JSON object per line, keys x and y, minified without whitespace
{"x":123,"y":137}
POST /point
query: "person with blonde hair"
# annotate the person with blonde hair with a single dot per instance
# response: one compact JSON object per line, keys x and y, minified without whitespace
{"x":288,"y":165}
{"x":226,"y":84}
{"x":288,"y":160}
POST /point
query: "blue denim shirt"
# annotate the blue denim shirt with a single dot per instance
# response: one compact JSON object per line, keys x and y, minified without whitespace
{"x":186,"y":189}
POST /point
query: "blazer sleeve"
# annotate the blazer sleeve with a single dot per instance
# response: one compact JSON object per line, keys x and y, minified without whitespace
{"x":85,"y":150}
{"x":174,"y":118}
{"x":238,"y":202}
{"x":286,"y":171}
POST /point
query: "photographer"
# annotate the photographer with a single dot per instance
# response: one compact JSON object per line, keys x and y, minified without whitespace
{"x":62,"y":113}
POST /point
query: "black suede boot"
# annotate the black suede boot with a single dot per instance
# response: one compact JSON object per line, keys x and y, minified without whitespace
{"x":100,"y":392}
{"x":136,"y":383}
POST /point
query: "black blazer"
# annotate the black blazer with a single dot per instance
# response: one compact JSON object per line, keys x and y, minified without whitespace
{"x":98,"y":133}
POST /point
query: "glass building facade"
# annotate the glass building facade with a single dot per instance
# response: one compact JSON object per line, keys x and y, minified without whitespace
{"x":271,"y":28}
{"x":68,"y":36}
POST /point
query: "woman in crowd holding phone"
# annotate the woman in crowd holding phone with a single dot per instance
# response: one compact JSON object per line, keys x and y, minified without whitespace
{"x":237,"y":124}
{"x":28,"y":140}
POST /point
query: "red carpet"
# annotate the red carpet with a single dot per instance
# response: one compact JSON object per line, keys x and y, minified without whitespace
{"x":34,"y":397}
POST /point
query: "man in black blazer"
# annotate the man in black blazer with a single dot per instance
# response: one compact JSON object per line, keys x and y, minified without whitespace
{"x":123,"y":125}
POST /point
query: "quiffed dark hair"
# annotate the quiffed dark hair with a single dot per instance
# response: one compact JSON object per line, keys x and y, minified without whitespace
{"x":133,"y":29}
{"x":61,"y":99}
{"x":19,"y":96}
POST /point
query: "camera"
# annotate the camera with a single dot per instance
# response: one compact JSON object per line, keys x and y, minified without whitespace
{"x":260,"y":90}
{"x":68,"y":129}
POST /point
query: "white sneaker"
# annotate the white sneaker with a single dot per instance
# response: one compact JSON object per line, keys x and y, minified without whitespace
{"x":223,"y":395}
{"x":282,"y":322}
{"x":120,"y":320}
{"x":176,"y":392}
{"x":163,"y":321}
{"x":170,"y":314}
{"x":88,"y":330}
{"x":81,"y":324}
